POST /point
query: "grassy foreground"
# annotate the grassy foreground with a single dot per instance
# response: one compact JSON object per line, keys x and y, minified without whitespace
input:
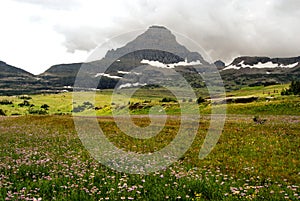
{"x":42,"y":158}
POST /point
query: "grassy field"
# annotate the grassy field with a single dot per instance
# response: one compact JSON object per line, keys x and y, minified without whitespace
{"x":42,"y":157}
{"x":270,"y":102}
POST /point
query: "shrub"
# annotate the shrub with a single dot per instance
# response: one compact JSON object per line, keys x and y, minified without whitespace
{"x":79,"y":108}
{"x":294,"y":88}
{"x":258,"y":120}
{"x":88,"y":105}
{"x":24,"y":97}
{"x":2,"y":113}
{"x":168,"y":99}
{"x":45,"y":106}
{"x":25,"y":103}
{"x":5,"y":102}
{"x":85,"y":105}
{"x":200,"y":100}
{"x":37,"y":111}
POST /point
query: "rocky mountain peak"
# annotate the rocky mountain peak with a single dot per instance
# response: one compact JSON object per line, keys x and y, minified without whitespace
{"x":157,"y":38}
{"x":219,"y":64}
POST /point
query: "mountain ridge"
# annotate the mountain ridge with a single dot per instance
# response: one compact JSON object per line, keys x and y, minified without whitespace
{"x":162,"y":48}
{"x":264,"y":62}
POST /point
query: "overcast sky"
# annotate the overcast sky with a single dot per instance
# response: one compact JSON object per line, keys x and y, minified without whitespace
{"x":35,"y":34}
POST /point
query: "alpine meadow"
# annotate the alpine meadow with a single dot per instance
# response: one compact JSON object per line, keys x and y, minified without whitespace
{"x":150,"y":114}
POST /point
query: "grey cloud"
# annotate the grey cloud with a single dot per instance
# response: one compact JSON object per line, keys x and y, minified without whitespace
{"x":225,"y":29}
{"x":53,"y":4}
{"x":79,"y":38}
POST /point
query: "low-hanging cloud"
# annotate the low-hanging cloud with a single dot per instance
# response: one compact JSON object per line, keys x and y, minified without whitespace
{"x":225,"y":29}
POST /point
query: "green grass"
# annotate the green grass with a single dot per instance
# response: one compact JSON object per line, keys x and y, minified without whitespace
{"x":261,"y":91}
{"x":278,"y":106}
{"x":42,"y":157}
{"x":270,"y":102}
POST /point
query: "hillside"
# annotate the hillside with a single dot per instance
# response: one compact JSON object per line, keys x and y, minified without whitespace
{"x":14,"y":80}
{"x":61,"y":75}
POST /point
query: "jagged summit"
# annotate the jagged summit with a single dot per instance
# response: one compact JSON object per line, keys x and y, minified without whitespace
{"x":157,"y":38}
{"x":157,"y":27}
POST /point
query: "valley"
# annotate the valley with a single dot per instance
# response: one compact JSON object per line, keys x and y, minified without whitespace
{"x":46,"y":121}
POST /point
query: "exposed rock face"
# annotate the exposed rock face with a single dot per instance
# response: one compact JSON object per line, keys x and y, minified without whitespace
{"x":219,"y":64}
{"x":161,"y":46}
{"x":252,"y":61}
{"x":61,"y":75}
{"x":157,"y":38}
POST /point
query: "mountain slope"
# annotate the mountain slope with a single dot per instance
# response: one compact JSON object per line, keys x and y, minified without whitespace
{"x":157,"y":45}
{"x":252,"y":71}
{"x":61,"y":75}
{"x":10,"y":71}
{"x":14,"y":80}
{"x":157,"y":48}
{"x":263,"y":62}
{"x":158,"y":38}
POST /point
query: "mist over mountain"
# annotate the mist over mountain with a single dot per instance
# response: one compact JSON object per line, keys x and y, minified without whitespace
{"x":157,"y":48}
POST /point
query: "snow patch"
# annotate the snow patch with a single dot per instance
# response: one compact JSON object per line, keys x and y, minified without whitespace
{"x":131,"y":85}
{"x":260,"y":65}
{"x":123,"y":72}
{"x":172,"y":65}
{"x":126,"y":73}
{"x":108,"y":75}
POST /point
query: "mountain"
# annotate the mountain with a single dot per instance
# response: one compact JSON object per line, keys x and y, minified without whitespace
{"x":263,"y":62}
{"x":219,"y":64}
{"x":158,"y":38}
{"x":14,"y":80}
{"x":254,"y":71}
{"x":147,"y":60}
{"x":61,"y":75}
{"x":9,"y":71}
{"x":156,"y":46}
